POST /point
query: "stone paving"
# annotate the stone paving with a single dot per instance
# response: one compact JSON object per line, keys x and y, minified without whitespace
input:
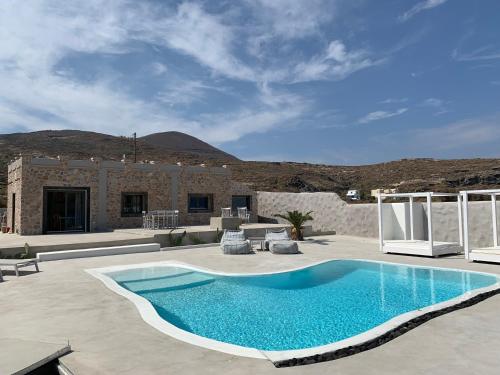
{"x":108,"y":336}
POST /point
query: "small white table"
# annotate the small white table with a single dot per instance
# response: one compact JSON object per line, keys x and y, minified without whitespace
{"x":258,"y":240}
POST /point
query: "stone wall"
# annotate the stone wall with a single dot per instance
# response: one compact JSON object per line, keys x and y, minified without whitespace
{"x":14,"y":187}
{"x":196,"y":181}
{"x":332,"y":214}
{"x":167,"y":187}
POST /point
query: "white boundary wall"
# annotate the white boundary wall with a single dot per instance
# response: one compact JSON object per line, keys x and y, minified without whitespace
{"x":332,"y":214}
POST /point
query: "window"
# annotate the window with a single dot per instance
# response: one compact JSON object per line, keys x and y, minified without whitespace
{"x":134,"y":203}
{"x":241,"y":201}
{"x":200,"y":202}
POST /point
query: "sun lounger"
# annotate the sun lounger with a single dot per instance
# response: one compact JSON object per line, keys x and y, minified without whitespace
{"x":234,"y":242}
{"x":279,"y":242}
{"x":19,"y":263}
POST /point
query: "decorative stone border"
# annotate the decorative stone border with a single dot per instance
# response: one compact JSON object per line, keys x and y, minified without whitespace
{"x":286,"y":358}
{"x":386,"y":337}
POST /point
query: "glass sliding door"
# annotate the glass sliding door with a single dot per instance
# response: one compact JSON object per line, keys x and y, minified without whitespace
{"x":65,"y":210}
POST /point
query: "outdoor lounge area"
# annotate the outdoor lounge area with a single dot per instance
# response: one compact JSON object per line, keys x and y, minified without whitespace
{"x":481,"y":253}
{"x":417,"y":238}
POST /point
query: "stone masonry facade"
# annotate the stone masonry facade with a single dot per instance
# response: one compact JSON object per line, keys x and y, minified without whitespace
{"x":167,"y":187}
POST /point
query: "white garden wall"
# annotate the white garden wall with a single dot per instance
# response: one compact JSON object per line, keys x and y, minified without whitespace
{"x":332,"y":214}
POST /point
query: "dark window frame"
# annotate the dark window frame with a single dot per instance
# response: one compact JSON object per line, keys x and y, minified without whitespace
{"x":247,"y":197}
{"x":144,"y":203}
{"x":198,"y":210}
{"x":45,"y":191}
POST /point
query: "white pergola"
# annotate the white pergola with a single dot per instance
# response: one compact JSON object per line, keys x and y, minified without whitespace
{"x":486,"y":254}
{"x":420,"y":247}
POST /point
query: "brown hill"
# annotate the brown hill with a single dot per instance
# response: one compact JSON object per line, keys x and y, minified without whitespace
{"x":171,"y":147}
{"x":180,"y":142}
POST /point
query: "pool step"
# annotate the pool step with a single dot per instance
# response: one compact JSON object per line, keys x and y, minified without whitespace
{"x":97,"y":252}
{"x":171,"y":282}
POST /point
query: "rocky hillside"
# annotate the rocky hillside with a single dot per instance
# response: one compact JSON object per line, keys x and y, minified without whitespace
{"x":171,"y":147}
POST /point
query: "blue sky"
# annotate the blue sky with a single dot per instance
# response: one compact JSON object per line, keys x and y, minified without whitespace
{"x":324,"y":81}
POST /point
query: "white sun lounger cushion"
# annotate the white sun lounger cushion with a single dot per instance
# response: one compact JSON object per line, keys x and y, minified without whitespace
{"x":283,"y":247}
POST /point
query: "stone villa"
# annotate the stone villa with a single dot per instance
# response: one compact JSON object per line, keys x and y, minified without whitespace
{"x":58,"y":195}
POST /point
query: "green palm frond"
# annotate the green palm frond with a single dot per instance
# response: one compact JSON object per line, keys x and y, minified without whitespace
{"x":297,"y":220}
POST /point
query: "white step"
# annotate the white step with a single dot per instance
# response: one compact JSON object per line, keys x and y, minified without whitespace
{"x":97,"y":252}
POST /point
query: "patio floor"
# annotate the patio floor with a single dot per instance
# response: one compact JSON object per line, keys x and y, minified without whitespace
{"x":108,"y":336}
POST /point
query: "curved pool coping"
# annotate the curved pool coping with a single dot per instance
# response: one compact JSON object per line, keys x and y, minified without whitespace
{"x":385,"y":331}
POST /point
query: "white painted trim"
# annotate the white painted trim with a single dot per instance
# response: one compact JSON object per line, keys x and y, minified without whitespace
{"x":494,"y":219}
{"x":150,"y":316}
{"x":460,"y":221}
{"x":466,"y":225}
{"x":412,"y":237}
{"x":429,"y":221}
{"x":380,"y":223}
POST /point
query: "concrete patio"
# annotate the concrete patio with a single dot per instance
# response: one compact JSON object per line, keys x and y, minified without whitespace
{"x":11,"y":244}
{"x":108,"y":336}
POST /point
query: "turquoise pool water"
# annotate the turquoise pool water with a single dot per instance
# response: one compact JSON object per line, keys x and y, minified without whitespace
{"x":313,"y":306}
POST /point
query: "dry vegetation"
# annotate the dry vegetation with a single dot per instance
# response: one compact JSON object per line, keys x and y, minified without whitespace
{"x":171,"y":147}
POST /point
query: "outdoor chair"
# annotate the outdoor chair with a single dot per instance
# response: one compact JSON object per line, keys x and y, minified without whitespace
{"x":243,"y":214}
{"x":226,"y":212}
{"x":234,"y":242}
{"x":279,"y":242}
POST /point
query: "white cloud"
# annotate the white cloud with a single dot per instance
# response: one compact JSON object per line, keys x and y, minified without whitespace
{"x":433,"y":102}
{"x":439,"y":105}
{"x":184,"y":92}
{"x":457,"y":135}
{"x":394,"y":101}
{"x":293,"y":19}
{"x":380,"y":115}
{"x":334,"y":63}
{"x":419,"y":7}
{"x":483,"y":53}
{"x":37,"y":92}
{"x":157,"y":68}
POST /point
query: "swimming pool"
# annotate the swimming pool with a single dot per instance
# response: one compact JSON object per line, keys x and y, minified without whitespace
{"x":288,"y":312}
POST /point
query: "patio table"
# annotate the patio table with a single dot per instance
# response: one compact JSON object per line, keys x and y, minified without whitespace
{"x":258,"y":240}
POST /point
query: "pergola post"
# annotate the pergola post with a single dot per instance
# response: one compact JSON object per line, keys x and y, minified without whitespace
{"x":466,"y":224}
{"x":460,"y":220}
{"x":429,"y":220}
{"x":494,"y":219}
{"x":380,"y":224}
{"x":411,"y":219}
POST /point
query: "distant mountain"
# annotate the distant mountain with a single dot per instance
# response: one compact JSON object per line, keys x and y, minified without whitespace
{"x":171,"y":147}
{"x":168,"y":147}
{"x":181,"y":142}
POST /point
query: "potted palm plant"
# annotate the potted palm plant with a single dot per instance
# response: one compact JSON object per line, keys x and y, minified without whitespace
{"x":297,"y":219}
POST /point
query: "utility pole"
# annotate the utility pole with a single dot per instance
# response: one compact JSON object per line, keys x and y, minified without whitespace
{"x":135,"y":147}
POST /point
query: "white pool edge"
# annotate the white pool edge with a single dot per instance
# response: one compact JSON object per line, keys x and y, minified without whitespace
{"x":150,"y":316}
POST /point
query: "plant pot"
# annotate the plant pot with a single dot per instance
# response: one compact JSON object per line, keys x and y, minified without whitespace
{"x":5,"y":229}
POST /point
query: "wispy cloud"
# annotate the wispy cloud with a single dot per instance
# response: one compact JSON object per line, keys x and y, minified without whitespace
{"x":488,"y":52}
{"x":394,"y":101}
{"x":440,"y":106}
{"x":464,"y":133}
{"x":419,"y":7}
{"x":157,"y":68}
{"x":380,"y":115}
{"x":336,"y":62}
